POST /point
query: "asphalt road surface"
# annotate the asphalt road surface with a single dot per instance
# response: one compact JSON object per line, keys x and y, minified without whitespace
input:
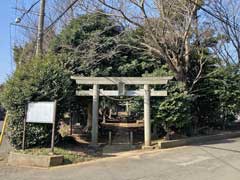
{"x":219,"y":160}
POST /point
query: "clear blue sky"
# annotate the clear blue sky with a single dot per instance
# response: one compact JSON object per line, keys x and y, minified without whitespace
{"x":6,"y":16}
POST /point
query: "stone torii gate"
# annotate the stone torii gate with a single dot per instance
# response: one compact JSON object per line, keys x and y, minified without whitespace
{"x":121,"y":82}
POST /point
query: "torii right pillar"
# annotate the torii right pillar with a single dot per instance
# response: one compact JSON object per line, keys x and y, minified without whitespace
{"x":147,"y":122}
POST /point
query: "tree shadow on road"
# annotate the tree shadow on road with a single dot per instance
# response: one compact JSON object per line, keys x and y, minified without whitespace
{"x":222,"y":141}
{"x":219,"y":148}
{"x":204,"y":148}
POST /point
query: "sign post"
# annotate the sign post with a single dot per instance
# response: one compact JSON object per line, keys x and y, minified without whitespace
{"x":40,"y":112}
{"x":24,"y":133}
{"x":53,"y":126}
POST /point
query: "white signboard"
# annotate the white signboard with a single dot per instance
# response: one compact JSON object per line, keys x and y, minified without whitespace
{"x":41,"y":112}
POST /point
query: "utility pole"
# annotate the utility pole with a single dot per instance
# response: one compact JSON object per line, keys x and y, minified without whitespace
{"x":39,"y":49}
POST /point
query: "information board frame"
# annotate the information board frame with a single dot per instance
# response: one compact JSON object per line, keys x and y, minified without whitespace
{"x":40,"y":112}
{"x":53,"y":121}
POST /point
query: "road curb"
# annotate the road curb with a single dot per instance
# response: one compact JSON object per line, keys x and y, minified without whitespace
{"x":196,"y":140}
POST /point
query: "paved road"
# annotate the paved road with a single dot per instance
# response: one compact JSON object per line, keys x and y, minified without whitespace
{"x":219,"y":160}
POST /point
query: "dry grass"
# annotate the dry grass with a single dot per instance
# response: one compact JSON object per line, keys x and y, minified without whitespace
{"x":70,"y":157}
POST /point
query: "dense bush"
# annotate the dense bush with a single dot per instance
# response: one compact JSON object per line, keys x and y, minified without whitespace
{"x":175,"y":110}
{"x":38,"y":80}
{"x":217,"y":98}
{"x":227,"y":90}
{"x":213,"y":103}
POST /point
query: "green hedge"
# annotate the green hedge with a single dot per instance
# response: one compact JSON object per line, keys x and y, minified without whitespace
{"x":38,"y":80}
{"x":175,"y":109}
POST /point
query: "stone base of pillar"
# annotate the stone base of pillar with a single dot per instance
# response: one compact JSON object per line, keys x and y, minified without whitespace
{"x":148,"y":147}
{"x":94,"y":146}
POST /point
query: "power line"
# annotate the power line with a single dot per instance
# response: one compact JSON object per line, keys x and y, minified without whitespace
{"x":22,"y":10}
{"x":23,"y":26}
{"x":60,"y":16}
{"x":55,"y":21}
{"x":28,"y":10}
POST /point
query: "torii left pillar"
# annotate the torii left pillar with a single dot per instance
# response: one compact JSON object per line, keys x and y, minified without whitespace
{"x":95,"y":115}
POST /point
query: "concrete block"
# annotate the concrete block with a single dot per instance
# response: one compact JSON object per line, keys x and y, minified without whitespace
{"x":20,"y":159}
{"x":147,"y":147}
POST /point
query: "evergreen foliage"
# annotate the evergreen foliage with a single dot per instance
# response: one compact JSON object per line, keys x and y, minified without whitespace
{"x":95,"y":45}
{"x":175,"y":109}
{"x":38,"y":80}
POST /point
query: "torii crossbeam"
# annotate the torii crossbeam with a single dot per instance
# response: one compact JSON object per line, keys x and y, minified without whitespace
{"x":146,"y":92}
